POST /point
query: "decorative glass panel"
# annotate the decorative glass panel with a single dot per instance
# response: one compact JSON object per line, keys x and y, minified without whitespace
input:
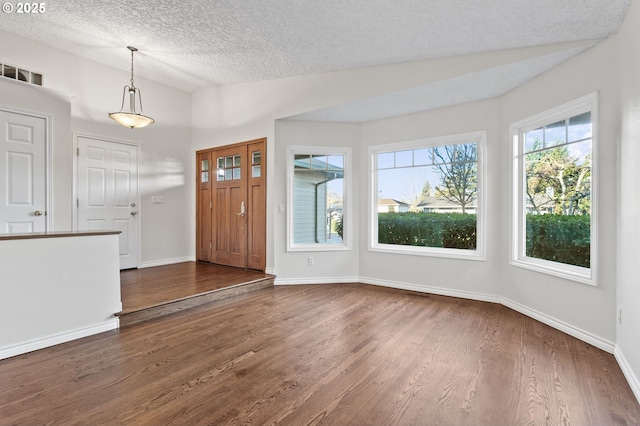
{"x":404,"y":159}
{"x":256,"y":158}
{"x":555,"y":134}
{"x":422,"y":156}
{"x":236,"y":161}
{"x":205,"y":177}
{"x":319,"y":162}
{"x":385,"y":160}
{"x":580,"y":127}
{"x":302,"y":162}
{"x":255,"y":171}
{"x":533,"y":140}
{"x":205,"y":165}
{"x":236,"y":173}
{"x":228,"y":174}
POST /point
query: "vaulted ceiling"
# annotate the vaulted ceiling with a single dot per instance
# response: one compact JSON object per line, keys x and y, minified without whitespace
{"x":189,"y":45}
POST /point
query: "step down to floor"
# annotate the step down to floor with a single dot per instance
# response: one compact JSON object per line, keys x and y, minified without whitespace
{"x":128,"y":318}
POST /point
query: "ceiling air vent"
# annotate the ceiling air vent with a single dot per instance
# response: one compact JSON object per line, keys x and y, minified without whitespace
{"x":20,"y":74}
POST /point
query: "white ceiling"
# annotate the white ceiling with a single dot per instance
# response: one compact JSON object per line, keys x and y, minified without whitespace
{"x":193,"y":44}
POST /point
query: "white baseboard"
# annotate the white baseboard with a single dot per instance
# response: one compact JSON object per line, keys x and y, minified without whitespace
{"x":332,"y":280}
{"x":56,"y":339}
{"x":632,"y":379}
{"x":163,"y":262}
{"x":578,"y":333}
{"x":432,"y":290}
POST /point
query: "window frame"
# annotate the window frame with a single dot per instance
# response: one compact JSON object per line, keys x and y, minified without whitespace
{"x":518,"y":257}
{"x":480,"y":138}
{"x":294,"y":150}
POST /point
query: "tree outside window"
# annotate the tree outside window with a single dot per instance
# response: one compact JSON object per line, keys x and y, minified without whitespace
{"x":553,"y":211}
{"x":427,"y":196}
{"x":557,"y":164}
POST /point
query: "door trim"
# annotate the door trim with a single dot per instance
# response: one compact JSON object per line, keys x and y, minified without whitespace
{"x":48,"y":166}
{"x":137,"y":145}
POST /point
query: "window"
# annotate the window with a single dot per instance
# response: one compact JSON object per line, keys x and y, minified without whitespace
{"x":426,"y":197}
{"x":318,"y":205}
{"x":229,"y":168}
{"x":553,"y":211}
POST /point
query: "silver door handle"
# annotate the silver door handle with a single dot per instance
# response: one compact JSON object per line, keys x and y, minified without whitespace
{"x":134,"y":213}
{"x":37,"y":213}
{"x":241,"y":210}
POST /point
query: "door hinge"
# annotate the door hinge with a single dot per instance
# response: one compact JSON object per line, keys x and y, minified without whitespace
{"x":78,"y":152}
{"x":210,"y":245}
{"x":210,"y":204}
{"x":77,"y":202}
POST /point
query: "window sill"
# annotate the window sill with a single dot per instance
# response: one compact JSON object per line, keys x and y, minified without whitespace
{"x":568,"y":272}
{"x":319,"y":247}
{"x":429,"y":252}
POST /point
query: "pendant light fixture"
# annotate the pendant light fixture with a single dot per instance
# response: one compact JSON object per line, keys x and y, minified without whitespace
{"x":131,"y":119}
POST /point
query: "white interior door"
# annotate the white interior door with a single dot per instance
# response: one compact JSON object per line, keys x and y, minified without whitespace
{"x":22,"y":173}
{"x":108,"y":197}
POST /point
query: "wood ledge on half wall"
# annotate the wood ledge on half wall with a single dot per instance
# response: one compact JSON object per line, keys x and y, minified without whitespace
{"x":56,"y":234}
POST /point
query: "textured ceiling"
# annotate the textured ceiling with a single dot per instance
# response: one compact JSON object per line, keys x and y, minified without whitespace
{"x":470,"y":87}
{"x":202,"y":43}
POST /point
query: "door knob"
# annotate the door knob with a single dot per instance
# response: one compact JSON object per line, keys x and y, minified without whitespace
{"x":134,"y":213}
{"x":37,"y":213}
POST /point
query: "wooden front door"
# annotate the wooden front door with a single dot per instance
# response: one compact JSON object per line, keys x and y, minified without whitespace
{"x":231,"y":205}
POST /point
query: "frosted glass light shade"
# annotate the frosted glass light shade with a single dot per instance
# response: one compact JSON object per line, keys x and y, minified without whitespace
{"x":131,"y":120}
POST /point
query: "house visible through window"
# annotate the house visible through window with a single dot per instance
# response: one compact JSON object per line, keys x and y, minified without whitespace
{"x":553,"y":165}
{"x":317,"y":198}
{"x":427,"y":195}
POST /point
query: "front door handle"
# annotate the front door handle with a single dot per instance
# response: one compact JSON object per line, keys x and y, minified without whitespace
{"x":134,"y":213}
{"x":241,"y":210}
{"x":37,"y":213}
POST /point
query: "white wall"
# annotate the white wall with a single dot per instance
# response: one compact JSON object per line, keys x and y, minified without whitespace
{"x":328,"y":266}
{"x":73,"y":292}
{"x":587,"y":309}
{"x":56,"y":108}
{"x":471,"y":278}
{"x":628,"y":288}
{"x":94,"y":90}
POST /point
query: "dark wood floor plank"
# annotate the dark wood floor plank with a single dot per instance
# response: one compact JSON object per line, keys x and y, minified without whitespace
{"x":177,"y":281}
{"x":322,"y":354}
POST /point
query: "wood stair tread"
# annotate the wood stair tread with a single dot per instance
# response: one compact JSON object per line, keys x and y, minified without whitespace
{"x":136,"y":315}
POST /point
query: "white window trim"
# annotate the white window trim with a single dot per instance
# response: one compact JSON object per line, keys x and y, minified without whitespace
{"x":347,"y":224}
{"x":480,"y":137}
{"x":517,"y":251}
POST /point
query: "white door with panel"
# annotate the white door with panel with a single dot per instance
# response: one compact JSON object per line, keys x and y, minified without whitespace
{"x":22,"y":173}
{"x":108,"y":199}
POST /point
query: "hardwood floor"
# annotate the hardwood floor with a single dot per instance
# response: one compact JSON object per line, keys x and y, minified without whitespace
{"x":148,"y":287}
{"x":153,"y":292}
{"x":339,"y":354}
